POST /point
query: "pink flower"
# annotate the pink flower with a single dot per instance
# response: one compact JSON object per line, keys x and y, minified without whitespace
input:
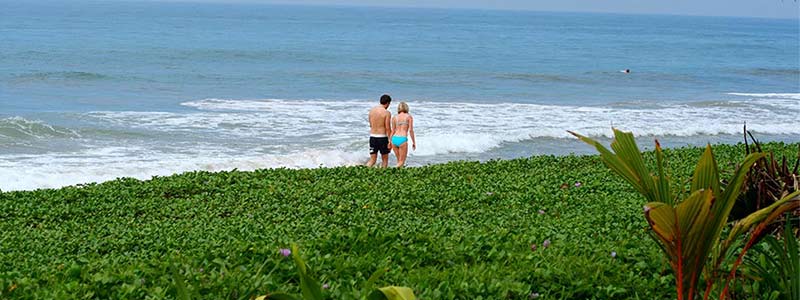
{"x":286,"y":252}
{"x":646,"y":208}
{"x":541,"y":212}
{"x":326,"y":286}
{"x":546,"y":243}
{"x":578,"y":184}
{"x":533,"y":295}
{"x":533,"y":247}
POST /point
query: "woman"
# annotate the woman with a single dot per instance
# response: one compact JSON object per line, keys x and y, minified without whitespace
{"x":402,"y":127}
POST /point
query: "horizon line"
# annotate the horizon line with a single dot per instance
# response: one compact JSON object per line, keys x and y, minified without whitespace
{"x":435,"y":7}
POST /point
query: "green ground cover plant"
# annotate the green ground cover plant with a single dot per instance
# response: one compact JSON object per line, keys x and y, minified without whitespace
{"x":311,"y":289}
{"x":545,"y":227}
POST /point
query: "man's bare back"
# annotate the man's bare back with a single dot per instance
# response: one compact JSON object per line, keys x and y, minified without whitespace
{"x":379,"y":118}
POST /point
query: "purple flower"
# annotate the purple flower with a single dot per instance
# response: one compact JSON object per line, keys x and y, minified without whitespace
{"x":578,"y":184}
{"x":541,"y":212}
{"x":546,"y":243}
{"x":613,"y":254}
{"x":201,"y":270}
{"x":533,"y":247}
{"x":326,"y":286}
{"x":533,"y":295}
{"x":286,"y":252}
{"x":646,"y":208}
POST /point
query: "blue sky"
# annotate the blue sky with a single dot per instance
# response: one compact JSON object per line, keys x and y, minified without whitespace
{"x":750,"y":8}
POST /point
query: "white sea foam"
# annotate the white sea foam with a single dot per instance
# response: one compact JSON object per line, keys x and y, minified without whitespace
{"x":795,"y":96}
{"x":26,"y":172}
{"x":220,"y":134}
{"x":467,"y":127}
{"x":449,"y":127}
{"x":268,"y":119}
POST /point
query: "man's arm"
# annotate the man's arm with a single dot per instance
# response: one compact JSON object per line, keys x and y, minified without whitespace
{"x":388,"y":124}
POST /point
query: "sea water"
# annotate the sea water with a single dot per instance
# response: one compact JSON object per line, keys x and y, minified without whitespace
{"x":92,"y":91}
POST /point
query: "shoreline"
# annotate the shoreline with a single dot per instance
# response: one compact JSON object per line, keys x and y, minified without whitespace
{"x":505,"y":152}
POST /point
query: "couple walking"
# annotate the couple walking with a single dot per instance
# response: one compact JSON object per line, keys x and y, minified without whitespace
{"x":389,"y":133}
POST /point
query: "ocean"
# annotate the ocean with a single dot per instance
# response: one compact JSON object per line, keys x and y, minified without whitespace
{"x":92,"y":90}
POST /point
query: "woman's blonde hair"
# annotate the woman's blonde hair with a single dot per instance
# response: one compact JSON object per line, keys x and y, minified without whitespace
{"x":402,"y":107}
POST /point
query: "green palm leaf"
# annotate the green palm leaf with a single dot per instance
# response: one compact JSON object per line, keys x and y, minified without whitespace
{"x":392,"y":293}
{"x":689,"y":230}
{"x":706,"y":174}
{"x":309,"y":287}
{"x":627,"y":161}
{"x":680,"y":230}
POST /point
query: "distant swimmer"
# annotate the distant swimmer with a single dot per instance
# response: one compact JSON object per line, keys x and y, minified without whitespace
{"x":626,"y":71}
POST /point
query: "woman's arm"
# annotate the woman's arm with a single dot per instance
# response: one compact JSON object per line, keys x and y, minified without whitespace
{"x":411,"y":132}
{"x":391,"y":130}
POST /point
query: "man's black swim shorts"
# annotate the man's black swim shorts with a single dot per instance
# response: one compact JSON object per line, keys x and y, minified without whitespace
{"x":377,"y":144}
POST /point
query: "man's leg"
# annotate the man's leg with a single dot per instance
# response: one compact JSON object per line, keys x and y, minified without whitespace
{"x":373,"y":152}
{"x":373,"y":157}
{"x":384,"y":160}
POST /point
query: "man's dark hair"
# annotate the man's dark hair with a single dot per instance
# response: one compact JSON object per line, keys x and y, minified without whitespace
{"x":386,"y":99}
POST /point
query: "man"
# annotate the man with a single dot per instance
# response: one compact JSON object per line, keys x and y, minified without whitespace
{"x":379,"y":132}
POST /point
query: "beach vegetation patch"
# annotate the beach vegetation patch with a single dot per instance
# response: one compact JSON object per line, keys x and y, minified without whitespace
{"x":543,"y":227}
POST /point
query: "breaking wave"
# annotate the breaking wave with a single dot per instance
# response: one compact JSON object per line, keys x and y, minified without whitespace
{"x":223,"y":134}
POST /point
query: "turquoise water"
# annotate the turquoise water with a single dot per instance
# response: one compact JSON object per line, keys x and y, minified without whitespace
{"x":90,"y":91}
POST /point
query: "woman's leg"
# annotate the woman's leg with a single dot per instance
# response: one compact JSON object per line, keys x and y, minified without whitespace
{"x":401,"y":155}
{"x":396,"y":151}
